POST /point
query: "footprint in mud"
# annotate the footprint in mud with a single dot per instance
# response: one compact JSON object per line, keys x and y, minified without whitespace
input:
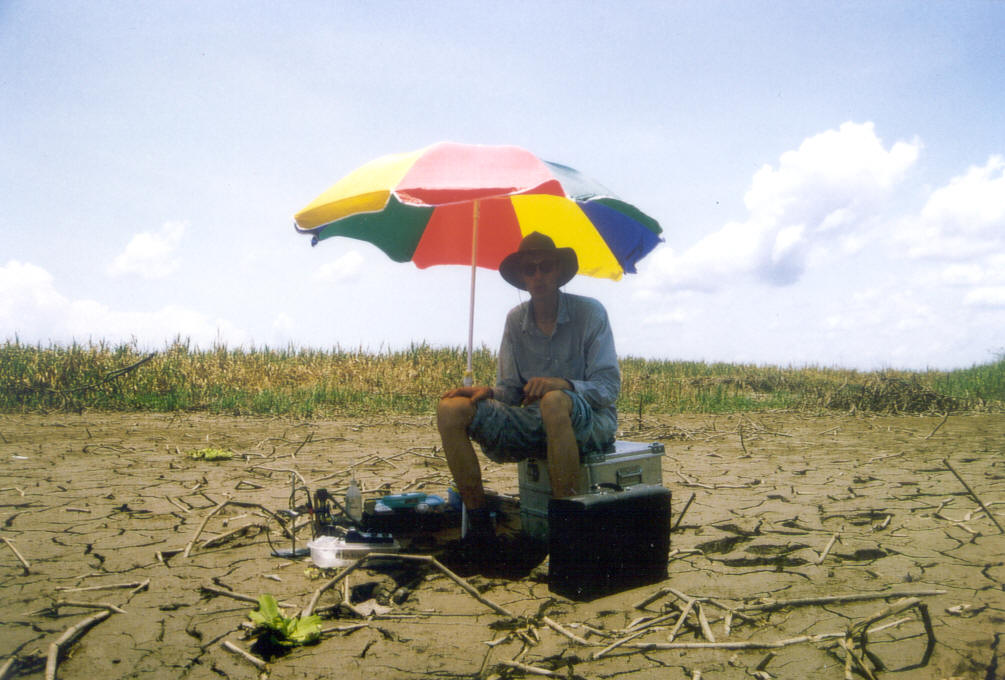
{"x":862,"y":555}
{"x":778,"y":561}
{"x":760,"y":555}
{"x":722,"y":545}
{"x":770,"y":554}
{"x":775,"y":548}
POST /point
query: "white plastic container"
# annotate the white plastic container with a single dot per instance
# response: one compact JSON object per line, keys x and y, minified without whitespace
{"x":354,"y":502}
{"x":332,"y":551}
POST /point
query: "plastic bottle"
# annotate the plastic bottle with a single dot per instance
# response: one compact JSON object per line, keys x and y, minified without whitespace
{"x":354,"y":501}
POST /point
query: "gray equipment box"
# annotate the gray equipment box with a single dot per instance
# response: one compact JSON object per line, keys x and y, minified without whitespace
{"x":629,"y":464}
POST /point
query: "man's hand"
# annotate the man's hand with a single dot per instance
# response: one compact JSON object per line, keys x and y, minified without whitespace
{"x":475,"y":394}
{"x":538,"y":387}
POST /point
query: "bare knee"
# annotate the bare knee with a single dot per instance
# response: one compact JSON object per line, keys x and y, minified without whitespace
{"x":556,"y":408}
{"x":454,"y":413}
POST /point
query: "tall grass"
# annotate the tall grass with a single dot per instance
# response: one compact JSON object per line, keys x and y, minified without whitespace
{"x":306,"y":383}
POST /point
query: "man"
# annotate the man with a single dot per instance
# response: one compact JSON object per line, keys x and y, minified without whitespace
{"x":557,"y":383}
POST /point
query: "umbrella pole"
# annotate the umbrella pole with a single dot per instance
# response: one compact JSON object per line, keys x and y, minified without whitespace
{"x":469,"y":378}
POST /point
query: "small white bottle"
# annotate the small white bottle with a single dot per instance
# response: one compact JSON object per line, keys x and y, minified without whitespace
{"x":354,"y":501}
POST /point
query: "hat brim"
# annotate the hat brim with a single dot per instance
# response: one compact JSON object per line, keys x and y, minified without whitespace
{"x":568,"y":265}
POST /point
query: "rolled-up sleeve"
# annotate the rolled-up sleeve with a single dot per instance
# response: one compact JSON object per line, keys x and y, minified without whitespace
{"x":601,"y":382}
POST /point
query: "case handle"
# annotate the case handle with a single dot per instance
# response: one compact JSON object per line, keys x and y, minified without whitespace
{"x":629,"y":476}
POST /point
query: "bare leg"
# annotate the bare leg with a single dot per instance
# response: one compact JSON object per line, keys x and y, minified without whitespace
{"x":453,"y":415}
{"x":563,"y":451}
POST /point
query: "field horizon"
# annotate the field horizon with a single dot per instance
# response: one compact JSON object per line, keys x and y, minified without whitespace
{"x":309,"y":382}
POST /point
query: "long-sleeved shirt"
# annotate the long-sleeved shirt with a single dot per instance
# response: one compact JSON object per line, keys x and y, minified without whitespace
{"x":581,"y":350}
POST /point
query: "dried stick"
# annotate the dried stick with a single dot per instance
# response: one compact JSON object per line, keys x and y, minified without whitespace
{"x":558,"y":628}
{"x":114,"y":586}
{"x":845,"y":645}
{"x":720,"y":605}
{"x":110,"y":376}
{"x":706,"y":630}
{"x":832,"y":599}
{"x":776,"y":644}
{"x":219,"y":506}
{"x":178,"y":504}
{"x":230,"y":534}
{"x":748,"y":644}
{"x":456,"y":579}
{"x":228,"y":593}
{"x":618,"y":643}
{"x":941,"y":423}
{"x":339,"y":473}
{"x":305,"y":442}
{"x":680,"y":621}
{"x":426,"y":559}
{"x":5,"y":669}
{"x":830,"y":545}
{"x":972,"y":493}
{"x":250,"y":658}
{"x":351,"y":628}
{"x":652,"y":598}
{"x":331,"y":583}
{"x":851,"y":656}
{"x":20,"y":558}
{"x":650,"y":623}
{"x":681,"y":515}
{"x":72,"y":632}
{"x":533,"y":670}
{"x":236,"y":596}
{"x":861,"y":629}
{"x":88,"y":605}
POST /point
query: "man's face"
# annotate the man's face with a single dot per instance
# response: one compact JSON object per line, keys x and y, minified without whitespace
{"x":540,"y":274}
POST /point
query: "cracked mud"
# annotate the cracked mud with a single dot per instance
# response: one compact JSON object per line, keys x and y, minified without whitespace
{"x":97,"y":511}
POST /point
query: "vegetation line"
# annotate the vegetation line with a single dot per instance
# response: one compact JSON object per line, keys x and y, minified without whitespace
{"x":310,"y":383}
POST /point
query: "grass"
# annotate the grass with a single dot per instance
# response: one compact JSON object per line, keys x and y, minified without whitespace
{"x":309,"y":383}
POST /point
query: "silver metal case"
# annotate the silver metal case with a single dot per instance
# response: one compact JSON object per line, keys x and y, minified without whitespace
{"x":629,"y":464}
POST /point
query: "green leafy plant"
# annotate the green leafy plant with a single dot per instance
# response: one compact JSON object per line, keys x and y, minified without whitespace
{"x":211,"y":454}
{"x":275,"y":629}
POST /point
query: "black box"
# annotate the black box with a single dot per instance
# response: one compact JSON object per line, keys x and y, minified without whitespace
{"x":603,"y":543}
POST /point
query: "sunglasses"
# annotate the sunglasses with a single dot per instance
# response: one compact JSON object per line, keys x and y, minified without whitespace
{"x":544,"y":266}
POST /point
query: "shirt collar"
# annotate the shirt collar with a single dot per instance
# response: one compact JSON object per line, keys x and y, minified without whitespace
{"x":563,"y":313}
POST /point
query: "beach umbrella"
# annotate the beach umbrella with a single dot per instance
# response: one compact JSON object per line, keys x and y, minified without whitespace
{"x":467,"y":204}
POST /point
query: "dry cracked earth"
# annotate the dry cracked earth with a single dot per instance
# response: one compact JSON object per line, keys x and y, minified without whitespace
{"x":794,"y":534}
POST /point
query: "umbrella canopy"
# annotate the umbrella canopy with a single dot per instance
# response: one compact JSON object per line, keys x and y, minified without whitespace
{"x":471,"y":205}
{"x":419,"y":206}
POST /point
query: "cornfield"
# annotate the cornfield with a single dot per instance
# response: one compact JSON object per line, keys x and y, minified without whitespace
{"x":309,"y":383}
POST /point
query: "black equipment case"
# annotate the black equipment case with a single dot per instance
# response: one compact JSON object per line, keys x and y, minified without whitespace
{"x":602,"y":543}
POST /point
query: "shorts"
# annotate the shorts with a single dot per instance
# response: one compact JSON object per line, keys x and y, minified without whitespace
{"x":509,"y":434}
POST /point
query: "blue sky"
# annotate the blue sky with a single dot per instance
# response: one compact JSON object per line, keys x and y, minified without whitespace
{"x":830,"y":176}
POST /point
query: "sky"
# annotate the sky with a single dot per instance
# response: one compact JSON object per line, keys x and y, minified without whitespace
{"x":829,"y":176}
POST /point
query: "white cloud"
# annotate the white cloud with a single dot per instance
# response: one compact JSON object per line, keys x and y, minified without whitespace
{"x":346,"y":268}
{"x":963,"y":275}
{"x":963,"y":219}
{"x":672,"y":317}
{"x":32,"y":308}
{"x":149,"y":254}
{"x":992,"y":296}
{"x":282,"y":324}
{"x":827,"y":191}
{"x":831,"y":173}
